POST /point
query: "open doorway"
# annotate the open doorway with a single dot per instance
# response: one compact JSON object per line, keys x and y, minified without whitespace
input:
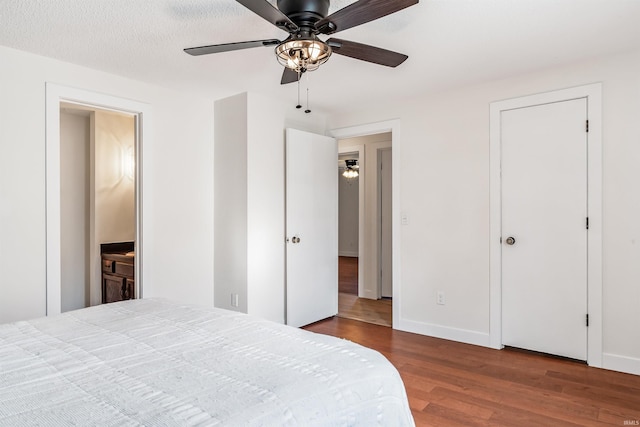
{"x":97,"y":205}
{"x":365,"y":229}
{"x":129,"y":162}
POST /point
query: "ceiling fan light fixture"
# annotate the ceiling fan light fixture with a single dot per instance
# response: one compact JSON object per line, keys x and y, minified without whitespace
{"x":303,"y":54}
{"x":350,"y":173}
{"x":351,"y":169}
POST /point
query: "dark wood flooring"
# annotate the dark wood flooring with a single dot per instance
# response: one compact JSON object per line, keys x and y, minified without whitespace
{"x":348,"y":275}
{"x":455,"y":384}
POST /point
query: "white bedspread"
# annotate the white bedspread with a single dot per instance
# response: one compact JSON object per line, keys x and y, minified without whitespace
{"x":150,"y":362}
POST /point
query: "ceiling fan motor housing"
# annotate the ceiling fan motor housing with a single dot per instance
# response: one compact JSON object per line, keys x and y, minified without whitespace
{"x":351,"y":163}
{"x":305,"y":13}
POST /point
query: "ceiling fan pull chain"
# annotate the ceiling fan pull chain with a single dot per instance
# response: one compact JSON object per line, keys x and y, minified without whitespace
{"x":299,"y":105}
{"x":307,"y":111}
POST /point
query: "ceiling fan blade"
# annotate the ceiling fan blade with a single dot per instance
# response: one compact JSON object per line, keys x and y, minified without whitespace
{"x":366,"y":53}
{"x":288,"y":76}
{"x":272,"y":14}
{"x":227,"y":47}
{"x":360,"y":12}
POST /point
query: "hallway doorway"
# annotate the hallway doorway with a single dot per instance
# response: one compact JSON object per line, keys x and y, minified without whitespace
{"x":365,"y":229}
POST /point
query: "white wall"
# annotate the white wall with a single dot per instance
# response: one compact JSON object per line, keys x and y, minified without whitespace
{"x":445,"y":193}
{"x":74,"y":206}
{"x":177,"y":179}
{"x":230,"y":259}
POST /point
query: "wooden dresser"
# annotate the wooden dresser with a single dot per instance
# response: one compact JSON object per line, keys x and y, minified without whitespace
{"x":118,"y":266}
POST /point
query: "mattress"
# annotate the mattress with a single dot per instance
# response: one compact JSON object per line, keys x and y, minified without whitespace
{"x":155,"y":363}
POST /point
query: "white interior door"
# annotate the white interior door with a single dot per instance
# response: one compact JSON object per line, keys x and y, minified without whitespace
{"x":312,"y":227}
{"x":386,"y":276}
{"x":544,"y":211}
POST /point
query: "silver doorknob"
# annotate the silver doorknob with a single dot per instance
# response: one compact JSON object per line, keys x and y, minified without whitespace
{"x":295,"y":239}
{"x":510,"y":241}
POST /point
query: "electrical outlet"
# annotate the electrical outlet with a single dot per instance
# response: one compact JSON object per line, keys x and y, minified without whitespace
{"x":440,"y":298}
{"x":235,"y":300}
{"x":404,"y":218}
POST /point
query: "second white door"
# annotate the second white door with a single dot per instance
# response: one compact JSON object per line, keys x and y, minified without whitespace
{"x":544,"y":228}
{"x":312,"y":227}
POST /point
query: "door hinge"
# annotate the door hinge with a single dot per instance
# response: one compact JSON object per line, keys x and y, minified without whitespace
{"x":587,"y":319}
{"x":587,"y":126}
{"x":587,"y":222}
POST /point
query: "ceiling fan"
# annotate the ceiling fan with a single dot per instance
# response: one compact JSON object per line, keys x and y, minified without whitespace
{"x":304,"y":20}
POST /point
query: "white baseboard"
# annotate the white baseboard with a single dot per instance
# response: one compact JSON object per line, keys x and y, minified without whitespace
{"x":614,"y":362}
{"x":445,"y":332}
{"x":348,"y":253}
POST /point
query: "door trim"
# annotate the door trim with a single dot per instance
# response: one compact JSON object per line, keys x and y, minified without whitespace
{"x":593,"y":94}
{"x":392,"y":126}
{"x":55,"y":94}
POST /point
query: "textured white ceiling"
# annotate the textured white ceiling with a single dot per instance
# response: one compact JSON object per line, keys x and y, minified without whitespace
{"x":449,"y":43}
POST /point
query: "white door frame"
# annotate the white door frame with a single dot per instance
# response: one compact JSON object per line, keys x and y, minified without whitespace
{"x":593,"y":93}
{"x":55,"y":94}
{"x":362,"y":172}
{"x":392,"y":126}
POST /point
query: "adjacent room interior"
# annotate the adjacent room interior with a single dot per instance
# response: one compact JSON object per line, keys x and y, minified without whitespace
{"x":98,"y":199}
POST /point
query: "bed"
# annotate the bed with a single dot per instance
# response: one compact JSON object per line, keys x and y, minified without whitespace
{"x":156,"y":363}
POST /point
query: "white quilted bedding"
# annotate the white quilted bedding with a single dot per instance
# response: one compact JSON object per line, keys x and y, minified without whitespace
{"x":150,"y":362}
